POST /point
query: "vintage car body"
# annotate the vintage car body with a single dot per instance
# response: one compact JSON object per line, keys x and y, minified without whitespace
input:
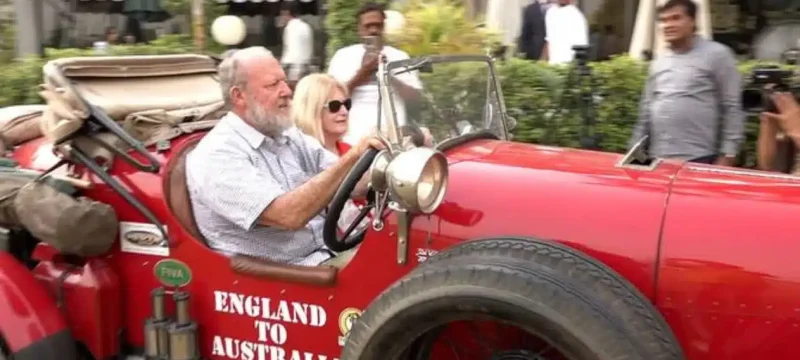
{"x":708,"y":245}
{"x":710,"y":248}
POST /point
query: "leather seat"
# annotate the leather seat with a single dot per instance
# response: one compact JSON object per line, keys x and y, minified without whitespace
{"x":176,"y":193}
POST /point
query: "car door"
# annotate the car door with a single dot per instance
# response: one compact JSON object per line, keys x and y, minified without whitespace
{"x":728,"y":278}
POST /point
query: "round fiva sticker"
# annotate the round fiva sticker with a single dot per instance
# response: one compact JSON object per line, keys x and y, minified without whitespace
{"x":346,"y":319}
{"x":171,"y":272}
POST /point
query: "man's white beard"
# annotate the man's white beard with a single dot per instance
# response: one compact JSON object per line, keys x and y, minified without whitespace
{"x":262,"y":120}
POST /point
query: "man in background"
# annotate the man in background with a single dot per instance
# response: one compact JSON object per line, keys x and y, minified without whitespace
{"x":298,"y":43}
{"x":546,"y":5}
{"x":691,"y":105}
{"x":112,"y":35}
{"x":611,"y":43}
{"x":566,"y":27}
{"x":533,"y":32}
{"x":356,"y":66}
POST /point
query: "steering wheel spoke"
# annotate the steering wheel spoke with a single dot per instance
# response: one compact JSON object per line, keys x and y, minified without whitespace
{"x":353,"y":236}
{"x":357,"y":221}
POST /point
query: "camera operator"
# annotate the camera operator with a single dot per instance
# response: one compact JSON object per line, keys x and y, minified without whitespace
{"x":786,"y":120}
{"x":691,"y":106}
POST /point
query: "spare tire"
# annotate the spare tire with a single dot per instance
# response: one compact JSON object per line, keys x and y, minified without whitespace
{"x":475,"y":285}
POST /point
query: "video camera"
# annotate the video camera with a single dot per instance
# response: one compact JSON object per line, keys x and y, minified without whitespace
{"x":766,"y":80}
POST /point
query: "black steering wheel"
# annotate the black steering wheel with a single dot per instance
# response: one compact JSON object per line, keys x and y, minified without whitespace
{"x":350,"y":238}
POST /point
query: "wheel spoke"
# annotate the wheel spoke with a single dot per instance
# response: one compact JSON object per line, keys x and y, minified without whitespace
{"x":481,"y":340}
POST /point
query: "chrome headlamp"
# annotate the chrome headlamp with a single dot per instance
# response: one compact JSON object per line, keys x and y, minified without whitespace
{"x":416,"y":179}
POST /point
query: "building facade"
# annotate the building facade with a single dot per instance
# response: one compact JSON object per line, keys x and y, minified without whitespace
{"x":754,"y":29}
{"x":760,"y":29}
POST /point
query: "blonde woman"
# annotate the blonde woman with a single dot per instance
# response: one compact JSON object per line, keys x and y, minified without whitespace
{"x":320,"y":109}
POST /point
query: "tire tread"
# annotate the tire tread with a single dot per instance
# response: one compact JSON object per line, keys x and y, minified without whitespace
{"x":511,"y":280}
{"x":639,"y":314}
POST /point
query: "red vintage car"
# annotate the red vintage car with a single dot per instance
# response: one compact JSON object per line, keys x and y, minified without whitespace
{"x":477,"y":248}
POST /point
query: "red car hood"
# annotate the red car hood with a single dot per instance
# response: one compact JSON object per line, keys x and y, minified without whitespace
{"x":581,"y":198}
{"x":514,"y":154}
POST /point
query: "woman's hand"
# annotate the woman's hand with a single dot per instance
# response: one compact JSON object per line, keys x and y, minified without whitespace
{"x":427,"y":135}
{"x":766,"y":147}
{"x":769,"y":126}
{"x":407,"y":141}
{"x":788,"y":116}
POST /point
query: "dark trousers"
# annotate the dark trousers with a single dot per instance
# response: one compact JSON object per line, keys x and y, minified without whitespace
{"x":708,"y":159}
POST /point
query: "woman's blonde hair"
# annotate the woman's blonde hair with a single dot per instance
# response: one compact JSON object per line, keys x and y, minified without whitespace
{"x":310,"y":97}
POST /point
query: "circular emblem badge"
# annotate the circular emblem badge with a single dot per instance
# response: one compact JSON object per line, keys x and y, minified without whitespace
{"x":172,"y":272}
{"x":347,"y":318}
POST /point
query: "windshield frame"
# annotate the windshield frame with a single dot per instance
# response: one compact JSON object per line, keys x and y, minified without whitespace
{"x":387,"y":69}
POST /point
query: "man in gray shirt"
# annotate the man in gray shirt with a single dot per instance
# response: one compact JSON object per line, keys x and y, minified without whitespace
{"x":691,"y":106}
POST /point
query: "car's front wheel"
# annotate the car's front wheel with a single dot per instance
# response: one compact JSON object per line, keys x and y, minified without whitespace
{"x":484,"y":304}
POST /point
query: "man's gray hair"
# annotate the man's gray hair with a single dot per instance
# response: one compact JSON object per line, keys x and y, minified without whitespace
{"x":229,"y":72}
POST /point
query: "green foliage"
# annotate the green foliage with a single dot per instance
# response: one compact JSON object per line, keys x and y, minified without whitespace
{"x":211,"y":10}
{"x":533,"y":95}
{"x":440,"y":27}
{"x":431,"y":27}
{"x":7,"y":34}
{"x":532,"y":92}
{"x":177,"y":6}
{"x":21,"y":77}
{"x":20,"y":80}
{"x":443,"y":102}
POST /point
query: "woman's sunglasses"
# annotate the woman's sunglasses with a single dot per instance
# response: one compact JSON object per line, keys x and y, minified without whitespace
{"x":336,"y":105}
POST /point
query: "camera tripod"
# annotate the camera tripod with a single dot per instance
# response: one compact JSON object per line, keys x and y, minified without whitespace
{"x":580,"y":80}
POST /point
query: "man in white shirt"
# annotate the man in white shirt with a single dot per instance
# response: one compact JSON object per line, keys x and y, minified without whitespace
{"x":566,"y":27}
{"x":546,"y":5}
{"x":298,"y":43}
{"x":356,"y":67}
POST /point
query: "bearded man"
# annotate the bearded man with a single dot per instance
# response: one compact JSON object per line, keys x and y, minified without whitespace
{"x":258,"y":184}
